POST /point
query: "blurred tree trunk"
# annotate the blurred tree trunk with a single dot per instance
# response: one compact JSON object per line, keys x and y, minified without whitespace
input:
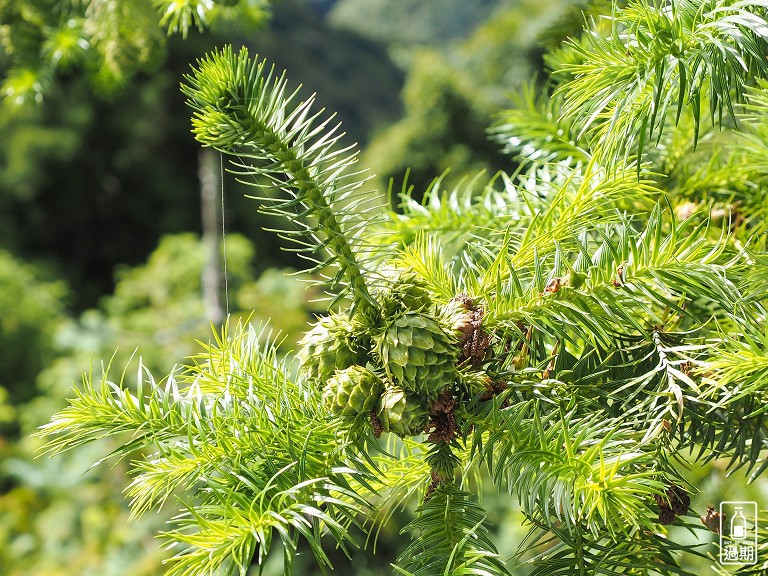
{"x":209,"y":195}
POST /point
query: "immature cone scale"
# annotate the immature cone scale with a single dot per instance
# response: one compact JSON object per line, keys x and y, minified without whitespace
{"x":329,"y":346}
{"x":402,"y":413}
{"x":352,"y":391}
{"x":419,"y":353}
{"x":407,"y":292}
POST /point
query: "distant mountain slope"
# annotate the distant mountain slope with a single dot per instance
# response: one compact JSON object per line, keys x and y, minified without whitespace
{"x":412,"y":21}
{"x":452,"y":91}
{"x":351,"y":75}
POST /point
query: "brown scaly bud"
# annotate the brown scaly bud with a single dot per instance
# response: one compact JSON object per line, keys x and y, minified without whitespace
{"x":464,"y":300}
{"x":711,"y":519}
{"x":474,"y":341}
{"x":673,"y":503}
{"x":620,"y":278}
{"x":679,"y":500}
{"x":554,"y":285}
{"x":376,"y":424}
{"x":464,"y":328}
{"x":666,"y":516}
{"x":430,"y":490}
{"x":463,"y":324}
{"x":436,"y":481}
{"x":442,"y":425}
{"x":494,"y":388}
{"x":551,"y":364}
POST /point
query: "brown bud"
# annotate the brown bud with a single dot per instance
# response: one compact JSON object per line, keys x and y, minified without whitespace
{"x":666,"y":516}
{"x":711,"y":519}
{"x":679,"y":500}
{"x":620,"y":278}
{"x":376,"y":424}
{"x":554,"y":285}
{"x":464,"y":327}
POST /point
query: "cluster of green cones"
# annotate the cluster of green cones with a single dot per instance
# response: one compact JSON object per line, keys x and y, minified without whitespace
{"x":396,"y":365}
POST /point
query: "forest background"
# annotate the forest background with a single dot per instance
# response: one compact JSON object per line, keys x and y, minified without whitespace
{"x":103,"y":245}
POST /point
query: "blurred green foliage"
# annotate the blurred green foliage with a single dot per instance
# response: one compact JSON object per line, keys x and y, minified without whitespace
{"x":350,"y":75}
{"x":79,"y":184}
{"x":443,"y":128}
{"x":32,"y":308}
{"x":157,"y":309}
{"x":55,"y":520}
{"x":87,"y":183}
{"x":108,"y":41}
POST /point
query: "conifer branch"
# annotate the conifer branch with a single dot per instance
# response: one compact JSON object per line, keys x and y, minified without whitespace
{"x":659,"y":58}
{"x":587,"y":471}
{"x":458,"y":216}
{"x":533,"y":131}
{"x":253,"y":452}
{"x":625,"y":278}
{"x":243,"y":110}
{"x":566,"y":328}
{"x":450,"y":537}
{"x":568,"y":552}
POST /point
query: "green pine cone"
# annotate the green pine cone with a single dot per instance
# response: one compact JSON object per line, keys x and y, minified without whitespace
{"x":402,"y":413}
{"x":419,"y":353}
{"x":331,"y":345}
{"x":352,"y":391}
{"x":411,"y":291}
{"x":404,"y":292}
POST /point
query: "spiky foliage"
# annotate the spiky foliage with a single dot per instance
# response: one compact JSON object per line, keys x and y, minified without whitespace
{"x":660,"y":58}
{"x":243,"y":109}
{"x":597,"y":322}
{"x":548,"y":136}
{"x":450,"y":537}
{"x":254,"y":452}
